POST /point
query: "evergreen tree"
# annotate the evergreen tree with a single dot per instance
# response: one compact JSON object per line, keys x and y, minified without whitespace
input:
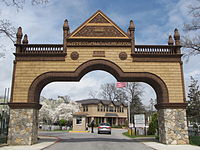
{"x":193,"y":108}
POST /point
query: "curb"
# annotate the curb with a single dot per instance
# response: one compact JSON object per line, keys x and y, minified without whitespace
{"x":58,"y":140}
{"x":78,"y":131}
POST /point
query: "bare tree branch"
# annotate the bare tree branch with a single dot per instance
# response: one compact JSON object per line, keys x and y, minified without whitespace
{"x":6,"y":29}
{"x":19,"y":4}
{"x":192,"y":44}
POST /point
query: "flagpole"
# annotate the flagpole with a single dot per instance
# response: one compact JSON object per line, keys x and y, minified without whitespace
{"x":129,"y":114}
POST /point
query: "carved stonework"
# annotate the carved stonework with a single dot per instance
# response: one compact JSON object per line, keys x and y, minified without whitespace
{"x":99,"y":19}
{"x":98,"y":53}
{"x":99,"y":31}
{"x":123,"y":56}
{"x":99,"y":43}
{"x":74,"y":55}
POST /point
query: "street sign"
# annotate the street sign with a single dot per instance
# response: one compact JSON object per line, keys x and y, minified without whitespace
{"x":139,"y":120}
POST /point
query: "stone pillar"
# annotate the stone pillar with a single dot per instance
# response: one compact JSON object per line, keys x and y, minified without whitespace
{"x":173,"y":126}
{"x":23,"y":126}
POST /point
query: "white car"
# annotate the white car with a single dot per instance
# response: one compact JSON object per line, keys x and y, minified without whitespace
{"x":104,"y":128}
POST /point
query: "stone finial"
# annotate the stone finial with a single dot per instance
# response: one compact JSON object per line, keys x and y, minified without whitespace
{"x":170,"y":41}
{"x":176,"y":37}
{"x":19,"y":35}
{"x":131,"y":26}
{"x":66,"y":26}
{"x":25,"y":40}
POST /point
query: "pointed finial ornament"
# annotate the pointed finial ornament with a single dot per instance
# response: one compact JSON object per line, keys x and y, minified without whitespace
{"x":25,"y":40}
{"x":170,"y":41}
{"x":176,"y":37}
{"x":132,"y":26}
{"x":19,"y":35}
{"x":66,"y":25}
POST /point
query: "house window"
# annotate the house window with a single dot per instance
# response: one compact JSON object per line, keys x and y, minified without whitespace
{"x":111,"y":108}
{"x":78,"y":120}
{"x":98,"y":108}
{"x":106,"y":108}
{"x":122,"y":109}
{"x":117,"y":109}
{"x":85,"y":108}
{"x":101,"y":108}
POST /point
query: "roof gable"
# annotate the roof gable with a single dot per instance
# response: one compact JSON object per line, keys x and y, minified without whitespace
{"x":98,"y":26}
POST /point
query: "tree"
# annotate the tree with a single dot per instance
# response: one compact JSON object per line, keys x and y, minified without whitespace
{"x":134,"y":92}
{"x":110,"y":92}
{"x":6,"y":27}
{"x":153,"y":125}
{"x":193,"y":108}
{"x":54,"y":110}
{"x":193,"y":43}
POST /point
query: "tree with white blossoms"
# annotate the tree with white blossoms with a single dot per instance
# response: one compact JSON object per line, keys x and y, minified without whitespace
{"x":55,"y":110}
{"x":65,"y":111}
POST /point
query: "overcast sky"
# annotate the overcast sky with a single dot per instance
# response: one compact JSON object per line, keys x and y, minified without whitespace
{"x":154,"y":20}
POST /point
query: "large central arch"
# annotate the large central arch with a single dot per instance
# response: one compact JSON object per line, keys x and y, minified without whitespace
{"x":98,"y":64}
{"x":98,"y":44}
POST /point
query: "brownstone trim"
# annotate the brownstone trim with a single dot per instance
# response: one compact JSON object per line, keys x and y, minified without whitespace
{"x":40,"y":56}
{"x":13,"y":80}
{"x":156,"y":57}
{"x":98,"y":64}
{"x":171,"y":105}
{"x":182,"y":79}
{"x":24,"y":105}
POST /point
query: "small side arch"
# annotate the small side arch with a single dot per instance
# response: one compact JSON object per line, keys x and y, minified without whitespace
{"x":98,"y":64}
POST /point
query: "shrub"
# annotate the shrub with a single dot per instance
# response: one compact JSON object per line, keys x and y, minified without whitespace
{"x":62,"y":122}
{"x":153,"y":125}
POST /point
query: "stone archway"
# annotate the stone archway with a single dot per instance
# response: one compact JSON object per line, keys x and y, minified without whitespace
{"x":98,"y":44}
{"x":98,"y":64}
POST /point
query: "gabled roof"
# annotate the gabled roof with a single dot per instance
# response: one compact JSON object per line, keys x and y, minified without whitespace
{"x":98,"y":26}
{"x":98,"y":101}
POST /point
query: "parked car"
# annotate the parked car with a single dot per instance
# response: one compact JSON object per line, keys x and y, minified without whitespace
{"x":104,"y":128}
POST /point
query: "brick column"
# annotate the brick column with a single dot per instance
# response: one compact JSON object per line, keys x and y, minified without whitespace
{"x":23,"y":125}
{"x":172,"y":124}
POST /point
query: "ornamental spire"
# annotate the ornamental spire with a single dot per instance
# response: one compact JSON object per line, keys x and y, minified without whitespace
{"x":176,"y":37}
{"x":25,"y":40}
{"x":19,"y":35}
{"x":170,"y":41}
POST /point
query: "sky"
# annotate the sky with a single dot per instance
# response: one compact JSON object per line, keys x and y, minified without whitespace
{"x":155,"y":20}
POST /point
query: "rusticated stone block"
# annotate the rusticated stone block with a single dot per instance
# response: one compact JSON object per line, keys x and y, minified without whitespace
{"x":23,"y":127}
{"x":173,"y":126}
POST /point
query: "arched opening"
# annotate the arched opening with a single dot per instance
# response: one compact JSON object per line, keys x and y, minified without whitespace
{"x":98,"y":64}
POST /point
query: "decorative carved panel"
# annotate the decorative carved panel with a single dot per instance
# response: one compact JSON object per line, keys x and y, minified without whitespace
{"x":99,"y":19}
{"x":98,"y":53}
{"x":99,"y":31}
{"x":123,"y":56}
{"x":74,"y":55}
{"x":99,"y":43}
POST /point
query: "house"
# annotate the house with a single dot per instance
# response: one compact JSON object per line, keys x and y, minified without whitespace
{"x":98,"y":110}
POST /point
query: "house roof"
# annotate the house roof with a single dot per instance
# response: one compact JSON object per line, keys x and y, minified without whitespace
{"x":98,"y":101}
{"x":111,"y":115}
{"x":80,"y":114}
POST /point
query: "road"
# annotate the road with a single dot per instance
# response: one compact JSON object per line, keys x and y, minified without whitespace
{"x":94,"y":141}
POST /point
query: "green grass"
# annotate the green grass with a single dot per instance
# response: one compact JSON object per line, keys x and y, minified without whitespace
{"x":195,"y":140}
{"x":134,"y":136}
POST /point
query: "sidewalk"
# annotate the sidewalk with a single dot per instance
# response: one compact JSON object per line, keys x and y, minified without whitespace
{"x":42,"y":143}
{"x":153,"y":143}
{"x":159,"y":146}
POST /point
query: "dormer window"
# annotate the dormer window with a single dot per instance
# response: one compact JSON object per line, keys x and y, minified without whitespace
{"x":102,"y":107}
{"x":85,"y":108}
